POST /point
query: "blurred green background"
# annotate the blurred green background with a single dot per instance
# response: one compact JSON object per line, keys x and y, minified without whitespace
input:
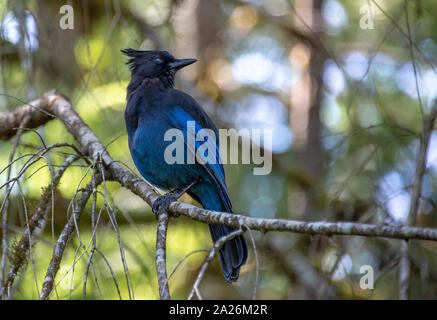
{"x":339,"y":95}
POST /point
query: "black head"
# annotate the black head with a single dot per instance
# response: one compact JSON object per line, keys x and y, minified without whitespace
{"x":155,"y":64}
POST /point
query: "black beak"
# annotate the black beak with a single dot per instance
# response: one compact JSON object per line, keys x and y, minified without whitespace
{"x":179,"y":64}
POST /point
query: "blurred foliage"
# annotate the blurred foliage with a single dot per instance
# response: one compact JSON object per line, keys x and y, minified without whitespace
{"x":247,"y":74}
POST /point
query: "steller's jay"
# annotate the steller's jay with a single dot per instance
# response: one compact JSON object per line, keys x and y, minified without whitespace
{"x":153,"y":108}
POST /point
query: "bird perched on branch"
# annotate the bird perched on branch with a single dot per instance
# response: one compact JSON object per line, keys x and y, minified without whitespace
{"x":153,"y":108}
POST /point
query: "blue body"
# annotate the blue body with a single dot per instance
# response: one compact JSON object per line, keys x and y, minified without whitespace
{"x":152,"y":109}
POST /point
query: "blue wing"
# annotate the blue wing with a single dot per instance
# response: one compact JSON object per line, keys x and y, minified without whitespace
{"x":180,"y":118}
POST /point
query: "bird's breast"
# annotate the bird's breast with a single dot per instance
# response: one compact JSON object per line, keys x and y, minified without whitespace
{"x":147,"y":147}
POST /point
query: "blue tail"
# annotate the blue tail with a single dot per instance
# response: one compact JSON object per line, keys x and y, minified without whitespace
{"x":233,"y":253}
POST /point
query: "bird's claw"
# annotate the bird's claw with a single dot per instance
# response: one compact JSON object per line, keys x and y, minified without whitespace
{"x":163,"y":203}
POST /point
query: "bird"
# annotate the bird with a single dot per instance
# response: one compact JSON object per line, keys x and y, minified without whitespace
{"x":153,"y":107}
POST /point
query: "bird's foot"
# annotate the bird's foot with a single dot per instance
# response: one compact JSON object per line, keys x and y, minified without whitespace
{"x":162,"y":204}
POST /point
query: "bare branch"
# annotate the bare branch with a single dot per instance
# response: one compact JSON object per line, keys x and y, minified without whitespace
{"x":20,"y":251}
{"x":404,"y":271}
{"x":208,"y":260}
{"x":38,"y":112}
{"x":161,"y":268}
{"x":183,"y":259}
{"x":428,"y":125}
{"x":416,"y":191}
{"x":64,"y":237}
{"x":61,"y":108}
{"x":5,"y":205}
{"x":310,"y":228}
{"x":255,"y":252}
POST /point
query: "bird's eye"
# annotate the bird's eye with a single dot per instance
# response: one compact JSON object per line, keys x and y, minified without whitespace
{"x":158,"y":60}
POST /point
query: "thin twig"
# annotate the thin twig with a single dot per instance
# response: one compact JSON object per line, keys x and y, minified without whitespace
{"x":113,"y":220}
{"x":183,"y":259}
{"x":404,"y":271}
{"x":208,"y":260}
{"x":5,"y":206}
{"x":63,"y":239}
{"x":416,"y":191}
{"x":110,"y":270}
{"x":255,"y":252}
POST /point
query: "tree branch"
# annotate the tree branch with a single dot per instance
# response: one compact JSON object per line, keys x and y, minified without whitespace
{"x":19,"y":252}
{"x":161,"y":267}
{"x":208,"y":260}
{"x":38,"y":112}
{"x":310,"y":228}
{"x":58,"y":250}
{"x":416,"y":190}
{"x":62,"y":109}
{"x":59,"y":106}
